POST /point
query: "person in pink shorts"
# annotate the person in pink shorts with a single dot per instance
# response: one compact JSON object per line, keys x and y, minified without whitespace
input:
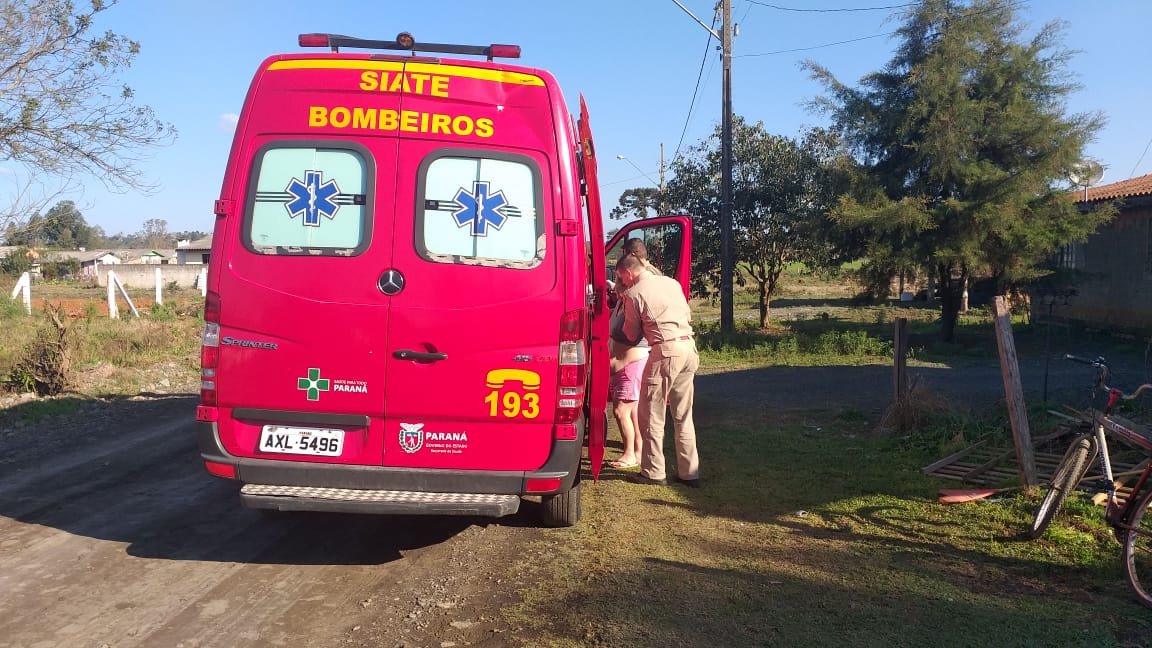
{"x":627,"y":367}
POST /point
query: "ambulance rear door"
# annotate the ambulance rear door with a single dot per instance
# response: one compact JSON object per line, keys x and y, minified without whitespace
{"x":303,"y":302}
{"x":474,"y":330}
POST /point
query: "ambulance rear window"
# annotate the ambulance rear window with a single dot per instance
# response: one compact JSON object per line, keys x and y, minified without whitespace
{"x":480,"y":210}
{"x":309,"y":200}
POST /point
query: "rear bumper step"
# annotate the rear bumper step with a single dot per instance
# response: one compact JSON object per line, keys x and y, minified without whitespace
{"x":348,"y":500}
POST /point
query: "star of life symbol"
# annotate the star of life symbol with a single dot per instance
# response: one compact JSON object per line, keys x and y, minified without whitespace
{"x":313,"y":384}
{"x":480,"y":209}
{"x":411,"y":437}
{"x":311,"y":198}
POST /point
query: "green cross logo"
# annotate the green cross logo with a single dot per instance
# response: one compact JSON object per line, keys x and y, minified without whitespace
{"x":313,"y":383}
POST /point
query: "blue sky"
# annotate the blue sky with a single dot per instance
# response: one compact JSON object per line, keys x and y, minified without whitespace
{"x":636,"y":62}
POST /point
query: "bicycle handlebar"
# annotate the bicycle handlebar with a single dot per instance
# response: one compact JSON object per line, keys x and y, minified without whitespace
{"x":1098,"y":362}
{"x":1120,"y":394}
{"x":1102,"y":365}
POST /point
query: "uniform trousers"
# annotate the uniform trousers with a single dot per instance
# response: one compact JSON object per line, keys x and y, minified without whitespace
{"x":668,"y":382}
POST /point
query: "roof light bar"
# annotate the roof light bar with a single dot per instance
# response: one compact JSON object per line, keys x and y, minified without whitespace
{"x":405,"y":41}
{"x":313,"y":40}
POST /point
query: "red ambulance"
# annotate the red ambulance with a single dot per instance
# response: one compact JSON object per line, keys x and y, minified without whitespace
{"x":406,"y":306}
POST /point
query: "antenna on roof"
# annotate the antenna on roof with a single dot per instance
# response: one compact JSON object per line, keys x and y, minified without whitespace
{"x":1085,"y":173}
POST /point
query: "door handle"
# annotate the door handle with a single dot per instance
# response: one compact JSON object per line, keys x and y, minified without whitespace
{"x":426,"y":356}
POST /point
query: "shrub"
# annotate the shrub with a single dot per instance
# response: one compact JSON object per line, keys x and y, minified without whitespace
{"x":60,"y":269}
{"x":17,"y":262}
{"x":44,"y":367}
{"x":10,"y":308}
{"x":161,"y":312}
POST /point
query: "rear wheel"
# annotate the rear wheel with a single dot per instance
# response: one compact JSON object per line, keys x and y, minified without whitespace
{"x":1068,"y":474}
{"x":1138,"y":552}
{"x":562,"y":509}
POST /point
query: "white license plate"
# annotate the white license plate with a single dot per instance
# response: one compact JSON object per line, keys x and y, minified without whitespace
{"x":321,"y":442}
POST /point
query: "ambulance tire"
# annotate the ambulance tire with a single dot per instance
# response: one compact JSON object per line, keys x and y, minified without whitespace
{"x":562,"y":509}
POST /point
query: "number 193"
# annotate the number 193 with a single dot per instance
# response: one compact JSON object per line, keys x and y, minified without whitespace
{"x":513,"y":404}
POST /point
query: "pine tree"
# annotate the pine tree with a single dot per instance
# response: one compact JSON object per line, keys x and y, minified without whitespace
{"x":965,"y":139}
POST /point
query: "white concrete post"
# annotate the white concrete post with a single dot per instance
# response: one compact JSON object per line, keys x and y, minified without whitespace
{"x":24,"y":285}
{"x":112,"y":312}
{"x":159,"y":293}
{"x":202,"y":279}
{"x":124,"y":292}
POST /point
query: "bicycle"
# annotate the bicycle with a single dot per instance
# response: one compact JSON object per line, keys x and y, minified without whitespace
{"x":1130,"y":523}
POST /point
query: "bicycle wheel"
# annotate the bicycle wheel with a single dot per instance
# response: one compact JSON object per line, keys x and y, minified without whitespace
{"x":1068,"y":474}
{"x":1138,"y":552}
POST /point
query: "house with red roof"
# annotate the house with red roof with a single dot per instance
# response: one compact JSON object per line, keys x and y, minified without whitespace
{"x":1114,"y":266}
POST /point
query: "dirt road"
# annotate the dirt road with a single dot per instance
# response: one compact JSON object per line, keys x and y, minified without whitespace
{"x":111,"y":534}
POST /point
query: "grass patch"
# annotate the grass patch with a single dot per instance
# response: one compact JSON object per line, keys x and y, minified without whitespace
{"x":118,"y":356}
{"x":35,"y":411}
{"x":811,"y":531}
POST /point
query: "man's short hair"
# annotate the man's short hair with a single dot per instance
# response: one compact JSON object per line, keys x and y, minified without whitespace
{"x":629,"y":263}
{"x":636,"y":247}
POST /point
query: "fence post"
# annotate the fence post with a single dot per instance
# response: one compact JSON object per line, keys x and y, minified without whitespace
{"x":24,"y":285}
{"x":159,"y":292}
{"x":113,"y":313}
{"x":900,"y":365}
{"x":1010,"y":369}
{"x":113,"y":284}
{"x":202,"y":279}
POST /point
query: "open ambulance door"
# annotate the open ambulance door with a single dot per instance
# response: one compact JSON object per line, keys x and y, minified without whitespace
{"x":597,"y":399}
{"x":668,"y":240}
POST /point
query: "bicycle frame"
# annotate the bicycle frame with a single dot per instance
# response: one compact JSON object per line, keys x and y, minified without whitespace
{"x":1102,"y":422}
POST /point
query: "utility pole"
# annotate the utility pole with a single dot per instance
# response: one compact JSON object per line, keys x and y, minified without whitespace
{"x":727,"y":265}
{"x":661,"y":167}
{"x":660,"y":201}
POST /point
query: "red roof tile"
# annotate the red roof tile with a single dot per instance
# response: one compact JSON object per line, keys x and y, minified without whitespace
{"x":1141,"y":186}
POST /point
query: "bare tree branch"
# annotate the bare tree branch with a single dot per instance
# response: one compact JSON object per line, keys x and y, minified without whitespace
{"x":63,"y":112}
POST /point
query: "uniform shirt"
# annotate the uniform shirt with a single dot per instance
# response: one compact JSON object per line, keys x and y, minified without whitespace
{"x":655,"y":308}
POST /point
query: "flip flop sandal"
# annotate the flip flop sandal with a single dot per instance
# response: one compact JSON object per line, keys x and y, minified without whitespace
{"x":624,"y":464}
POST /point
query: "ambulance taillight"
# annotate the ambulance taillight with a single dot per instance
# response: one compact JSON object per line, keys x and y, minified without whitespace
{"x":210,"y":350}
{"x":573,"y":373}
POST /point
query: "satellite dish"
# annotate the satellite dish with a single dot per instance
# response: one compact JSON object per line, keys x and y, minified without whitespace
{"x":1085,"y":173}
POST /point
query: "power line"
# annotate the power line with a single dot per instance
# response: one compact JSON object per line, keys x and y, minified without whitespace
{"x":699,"y":77}
{"x":1132,"y":174}
{"x":616,"y":182}
{"x":805,"y":49}
{"x":965,"y":14}
{"x":779,"y":8}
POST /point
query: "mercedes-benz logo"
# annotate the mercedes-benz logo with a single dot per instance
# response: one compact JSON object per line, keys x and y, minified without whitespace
{"x":391,"y":282}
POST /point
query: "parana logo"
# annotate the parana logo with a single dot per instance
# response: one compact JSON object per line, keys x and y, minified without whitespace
{"x":313,"y":385}
{"x":411,"y":437}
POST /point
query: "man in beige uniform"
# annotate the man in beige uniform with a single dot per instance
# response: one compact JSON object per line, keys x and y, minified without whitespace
{"x":654,"y":306}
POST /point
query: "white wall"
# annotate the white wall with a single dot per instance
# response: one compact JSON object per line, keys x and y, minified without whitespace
{"x":144,"y":276}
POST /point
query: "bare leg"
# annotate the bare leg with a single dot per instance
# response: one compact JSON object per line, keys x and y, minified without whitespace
{"x":638,"y":446}
{"x":625,"y":414}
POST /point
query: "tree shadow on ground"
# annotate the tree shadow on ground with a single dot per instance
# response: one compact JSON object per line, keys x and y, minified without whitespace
{"x":128,"y":470}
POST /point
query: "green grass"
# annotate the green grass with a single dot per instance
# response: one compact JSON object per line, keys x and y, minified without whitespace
{"x":114,"y":356}
{"x":816,"y":529}
{"x":37,"y":410}
{"x":811,"y":531}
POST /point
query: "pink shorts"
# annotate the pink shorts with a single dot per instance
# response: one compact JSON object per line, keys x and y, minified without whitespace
{"x":625,"y":384}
